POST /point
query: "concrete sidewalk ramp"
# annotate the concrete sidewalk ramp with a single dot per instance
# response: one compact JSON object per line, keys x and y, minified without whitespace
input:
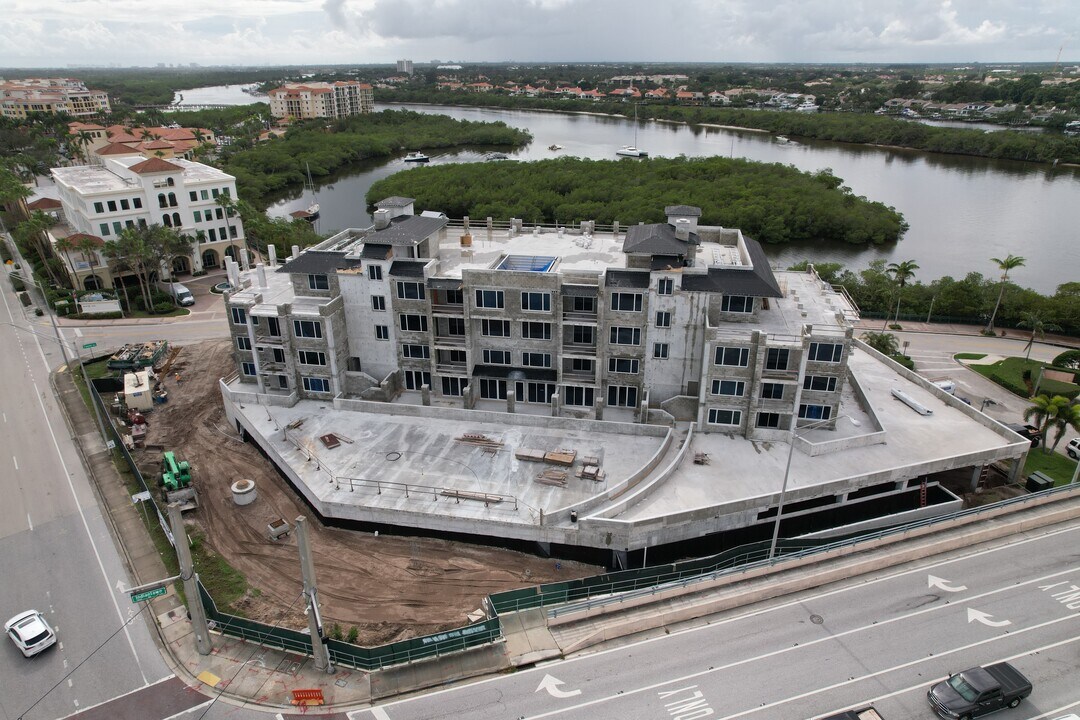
{"x":528,"y":639}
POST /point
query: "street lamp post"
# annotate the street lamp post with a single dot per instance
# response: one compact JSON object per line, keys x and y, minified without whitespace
{"x":787,"y":472}
{"x":52,"y":316}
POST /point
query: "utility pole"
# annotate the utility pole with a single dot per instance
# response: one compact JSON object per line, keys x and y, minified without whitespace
{"x":187,"y":574}
{"x":307,"y":570}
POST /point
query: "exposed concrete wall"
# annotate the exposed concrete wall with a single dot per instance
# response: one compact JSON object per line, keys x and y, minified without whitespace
{"x":658,"y":479}
{"x":400,"y":679}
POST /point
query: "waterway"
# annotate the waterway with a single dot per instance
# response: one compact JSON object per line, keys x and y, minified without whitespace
{"x":961,"y":211}
{"x":216,"y":95}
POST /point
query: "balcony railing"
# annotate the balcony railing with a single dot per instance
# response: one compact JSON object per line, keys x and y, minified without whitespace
{"x":448,"y":309}
{"x":452,"y":340}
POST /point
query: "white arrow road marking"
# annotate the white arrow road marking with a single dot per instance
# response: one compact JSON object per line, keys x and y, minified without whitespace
{"x":984,"y":618}
{"x":943,"y":584}
{"x":552,"y":684}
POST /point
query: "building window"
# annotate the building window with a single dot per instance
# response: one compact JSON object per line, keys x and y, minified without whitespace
{"x":273,"y":327}
{"x":103,"y":228}
{"x":660,"y":351}
{"x":307,"y":328}
{"x":198,"y":216}
{"x":279,"y":355}
{"x":218,"y":213}
{"x":239,"y":316}
{"x":733,"y":388}
{"x":100,"y":207}
{"x":374,"y":272}
{"x":136,"y":203}
{"x":815,"y":412}
{"x":176,"y":219}
{"x":243,"y":343}
{"x":821,"y":383}
{"x":410,"y":290}
{"x":496,"y":357}
{"x":453,"y":386}
{"x":623,"y":365}
{"x":732,"y":356}
{"x":248,"y":368}
{"x":172,"y":199}
{"x":495,"y":328}
{"x":826,"y":352}
{"x":531,"y":359}
{"x":772,"y":391}
{"x":489,"y":298}
{"x":453,"y":297}
{"x":737,"y":304}
{"x":382,"y":332}
{"x":124,"y":204}
{"x":582,"y":365}
{"x":413,"y":323}
{"x":536,"y":301}
{"x":663,"y":319}
{"x":378,"y":303}
{"x":117,"y":227}
{"x":162,"y":201}
{"x":583,"y":335}
{"x":578,"y":396}
{"x":317,"y":282}
{"x":625,"y":336}
{"x":213,"y":235}
{"x":419,"y":352}
{"x":204,"y":194}
{"x":626,"y":302}
{"x":585,"y":305}
{"x":718,"y":416}
{"x":313,"y":384}
{"x":622,"y":396}
{"x":777,"y":358}
{"x":215,"y":192}
{"x":534,"y":392}
{"x":309,"y":357}
{"x":665,"y":286}
{"x":536,"y":330}
{"x":193,"y":196}
{"x":492,"y":389}
{"x":768,"y":420}
{"x":415,"y":379}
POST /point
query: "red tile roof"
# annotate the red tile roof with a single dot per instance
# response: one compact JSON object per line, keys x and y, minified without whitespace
{"x":154,"y":165}
{"x":80,"y":237}
{"x":44,"y":204}
{"x":117,"y":148}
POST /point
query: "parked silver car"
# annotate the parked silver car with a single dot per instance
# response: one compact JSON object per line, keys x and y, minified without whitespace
{"x":30,"y":632}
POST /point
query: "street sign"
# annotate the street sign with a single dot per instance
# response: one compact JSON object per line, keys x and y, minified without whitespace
{"x":147,"y":594}
{"x":87,"y":346}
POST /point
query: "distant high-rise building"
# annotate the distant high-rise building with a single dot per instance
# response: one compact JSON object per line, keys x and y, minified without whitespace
{"x":18,"y":98}
{"x":319,"y":99}
{"x":405,"y":66}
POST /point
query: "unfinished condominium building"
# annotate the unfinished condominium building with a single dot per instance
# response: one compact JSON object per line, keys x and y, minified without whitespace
{"x":669,"y":316}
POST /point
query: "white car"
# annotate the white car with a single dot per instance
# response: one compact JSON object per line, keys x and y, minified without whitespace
{"x":1073,"y":449}
{"x":30,"y":632}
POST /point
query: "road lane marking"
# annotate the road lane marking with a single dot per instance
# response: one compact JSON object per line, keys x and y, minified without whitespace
{"x":379,"y":713}
{"x":943,"y":584}
{"x":816,"y":691}
{"x":551,"y":684}
{"x":29,"y":522}
{"x":122,"y":695}
{"x":16,"y":461}
{"x":978,"y":615}
{"x":193,"y":709}
{"x":86,"y":527}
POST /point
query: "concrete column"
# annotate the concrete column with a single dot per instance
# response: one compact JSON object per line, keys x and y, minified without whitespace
{"x":599,"y":408}
{"x":272,"y":249}
{"x":425,"y":394}
{"x":489,"y":227}
{"x":465,"y":223}
{"x":331,"y":351}
{"x":615,"y":229}
{"x":255,"y":352}
{"x":260,"y":270}
{"x":511,"y":398}
{"x":244,"y":262}
{"x":187,"y":573}
{"x":555,"y":402}
{"x":295,"y":252}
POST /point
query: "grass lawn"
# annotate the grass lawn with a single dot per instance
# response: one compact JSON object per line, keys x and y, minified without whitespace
{"x":175,"y":312}
{"x":1009,"y":373}
{"x":969,"y":356}
{"x":1055,"y":465}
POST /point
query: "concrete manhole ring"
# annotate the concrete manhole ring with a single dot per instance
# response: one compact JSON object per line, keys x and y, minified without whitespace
{"x":817,"y":619}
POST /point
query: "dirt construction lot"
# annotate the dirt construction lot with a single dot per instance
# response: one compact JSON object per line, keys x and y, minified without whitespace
{"x":388,"y":587}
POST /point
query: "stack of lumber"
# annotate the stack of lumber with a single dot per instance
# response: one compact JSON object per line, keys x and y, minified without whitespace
{"x":529,"y":454}
{"x":561,"y":457}
{"x":467,"y":495}
{"x":591,"y":472}
{"x":552,"y":477}
{"x":480,"y":440}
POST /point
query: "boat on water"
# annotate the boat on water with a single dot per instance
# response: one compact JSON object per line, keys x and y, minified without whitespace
{"x":554,"y":146}
{"x":498,"y":156}
{"x":632,"y":150}
{"x":313,"y":209}
{"x":416,"y":157}
{"x":783,"y":140}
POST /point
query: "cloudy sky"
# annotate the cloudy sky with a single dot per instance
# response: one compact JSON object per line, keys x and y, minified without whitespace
{"x":59,"y":33}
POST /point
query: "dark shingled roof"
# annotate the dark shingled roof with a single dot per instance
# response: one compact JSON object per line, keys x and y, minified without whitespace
{"x":682,"y":211}
{"x":656,"y":239}
{"x":319,"y":262}
{"x":408,"y":268}
{"x":627,"y":279}
{"x":407,"y":231}
{"x":759,"y":282}
{"x":394,"y":202}
{"x":373,"y":251}
{"x":503,"y":372}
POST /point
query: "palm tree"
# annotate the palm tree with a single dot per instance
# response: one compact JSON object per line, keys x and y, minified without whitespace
{"x":1045,"y":410}
{"x":66,"y":245}
{"x":885,"y":343}
{"x":901,"y":273}
{"x":1010,"y":262}
{"x":225,"y":201}
{"x":1068,"y":416}
{"x":1039,"y":326}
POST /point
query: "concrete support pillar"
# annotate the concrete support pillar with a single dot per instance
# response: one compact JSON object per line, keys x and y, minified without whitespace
{"x":510,"y":398}
{"x":465,"y":223}
{"x":272,"y":249}
{"x":515,"y":226}
{"x":1016,"y":472}
{"x":260,"y":270}
{"x":615,"y":229}
{"x":332,"y":355}
{"x":244,"y":262}
{"x":295,"y":252}
{"x":191,"y":591}
{"x":315,"y":627}
{"x":599,"y":408}
{"x":556,"y":403}
{"x":618,"y":560}
{"x":468,"y":397}
{"x":489,"y":227}
{"x":425,"y":395}
{"x":976,"y":473}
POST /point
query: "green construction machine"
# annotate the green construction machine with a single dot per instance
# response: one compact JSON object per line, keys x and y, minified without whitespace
{"x":176,"y":483}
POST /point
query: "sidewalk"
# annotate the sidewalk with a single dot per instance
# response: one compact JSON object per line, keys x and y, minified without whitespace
{"x":874,"y":325}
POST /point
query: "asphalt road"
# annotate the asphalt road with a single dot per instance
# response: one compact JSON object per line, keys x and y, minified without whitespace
{"x":880,"y":640}
{"x":56,"y":552}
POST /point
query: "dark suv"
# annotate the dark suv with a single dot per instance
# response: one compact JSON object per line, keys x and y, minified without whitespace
{"x":1030,"y":432}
